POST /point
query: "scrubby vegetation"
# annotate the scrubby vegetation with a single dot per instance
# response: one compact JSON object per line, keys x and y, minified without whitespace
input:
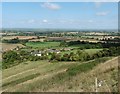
{"x":11,"y":58}
{"x":85,"y":67}
{"x":89,"y":45}
{"x":44,"y":76}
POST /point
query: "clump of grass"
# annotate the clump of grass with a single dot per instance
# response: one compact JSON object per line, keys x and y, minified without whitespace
{"x":85,"y":66}
{"x":60,"y":78}
{"x":21,"y":80}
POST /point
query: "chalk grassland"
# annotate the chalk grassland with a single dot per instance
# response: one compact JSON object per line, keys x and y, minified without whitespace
{"x":62,"y":76}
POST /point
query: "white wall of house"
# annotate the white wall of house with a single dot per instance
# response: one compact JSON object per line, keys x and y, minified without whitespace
{"x":38,"y":54}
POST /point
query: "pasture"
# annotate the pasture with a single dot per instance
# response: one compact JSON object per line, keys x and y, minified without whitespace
{"x":42,"y":44}
{"x":40,"y":76}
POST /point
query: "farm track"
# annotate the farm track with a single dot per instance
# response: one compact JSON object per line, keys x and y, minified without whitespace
{"x":88,"y":86}
{"x":30,"y":70}
{"x":41,"y":77}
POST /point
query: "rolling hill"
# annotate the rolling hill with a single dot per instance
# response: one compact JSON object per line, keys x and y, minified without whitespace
{"x":44,"y":76}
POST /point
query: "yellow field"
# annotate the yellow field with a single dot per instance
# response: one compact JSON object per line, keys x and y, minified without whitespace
{"x":20,"y":37}
{"x":7,"y":46}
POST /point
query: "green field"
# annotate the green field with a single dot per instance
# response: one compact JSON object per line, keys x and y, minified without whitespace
{"x":42,"y":44}
{"x":89,"y":51}
{"x":92,"y":51}
{"x":61,"y":76}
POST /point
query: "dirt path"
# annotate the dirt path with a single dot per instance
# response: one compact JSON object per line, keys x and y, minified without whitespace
{"x":45,"y":76}
{"x":77,"y":81}
{"x":30,"y":70}
{"x":41,"y":77}
{"x":18,"y":74}
{"x":112,"y":63}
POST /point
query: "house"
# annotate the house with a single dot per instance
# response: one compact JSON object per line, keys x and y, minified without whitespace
{"x":37,"y":53}
{"x":67,"y":49}
{"x":53,"y":51}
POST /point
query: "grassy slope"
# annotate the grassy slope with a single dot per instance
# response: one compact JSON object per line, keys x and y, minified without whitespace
{"x":45,"y":76}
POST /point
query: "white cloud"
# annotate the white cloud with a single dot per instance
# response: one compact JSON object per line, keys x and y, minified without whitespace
{"x":102,"y":13}
{"x":51,"y":6}
{"x":45,"y":21}
{"x":98,"y":4}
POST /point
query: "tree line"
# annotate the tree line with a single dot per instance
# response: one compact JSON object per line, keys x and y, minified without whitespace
{"x":89,"y":45}
{"x":11,"y":58}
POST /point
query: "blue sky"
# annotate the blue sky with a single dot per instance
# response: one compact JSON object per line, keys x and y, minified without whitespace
{"x":78,"y":15}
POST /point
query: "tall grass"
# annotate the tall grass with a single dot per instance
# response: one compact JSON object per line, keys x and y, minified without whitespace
{"x":60,"y":78}
{"x":18,"y":81}
{"x":85,"y":66}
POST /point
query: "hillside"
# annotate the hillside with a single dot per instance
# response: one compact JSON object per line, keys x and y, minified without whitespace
{"x":45,"y":76}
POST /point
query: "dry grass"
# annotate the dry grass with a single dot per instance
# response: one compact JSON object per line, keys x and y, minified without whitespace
{"x":7,"y":46}
{"x":52,"y":77}
{"x":85,"y":82}
{"x":20,"y":37}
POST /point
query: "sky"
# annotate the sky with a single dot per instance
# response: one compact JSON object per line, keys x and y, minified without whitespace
{"x":69,"y":15}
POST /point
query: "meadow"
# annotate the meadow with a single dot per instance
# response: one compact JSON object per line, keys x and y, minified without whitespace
{"x":42,"y":75}
{"x":42,"y":44}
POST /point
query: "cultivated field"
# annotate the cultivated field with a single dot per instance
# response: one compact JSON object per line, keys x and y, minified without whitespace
{"x":20,"y":37}
{"x":45,"y":76}
{"x":7,"y":46}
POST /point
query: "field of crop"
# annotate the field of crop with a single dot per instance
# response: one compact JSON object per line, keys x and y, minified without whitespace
{"x":8,"y":46}
{"x":61,"y":76}
{"x":20,"y":37}
{"x":42,"y":44}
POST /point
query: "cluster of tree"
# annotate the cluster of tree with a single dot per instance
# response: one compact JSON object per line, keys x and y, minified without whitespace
{"x":15,"y":40}
{"x":78,"y":56}
{"x":84,"y":56}
{"x":111,"y":40}
{"x":112,"y":51}
{"x":88,"y":45}
{"x":11,"y":58}
{"x":82,"y":44}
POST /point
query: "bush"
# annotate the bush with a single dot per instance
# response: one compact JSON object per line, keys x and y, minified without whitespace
{"x":85,"y":66}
